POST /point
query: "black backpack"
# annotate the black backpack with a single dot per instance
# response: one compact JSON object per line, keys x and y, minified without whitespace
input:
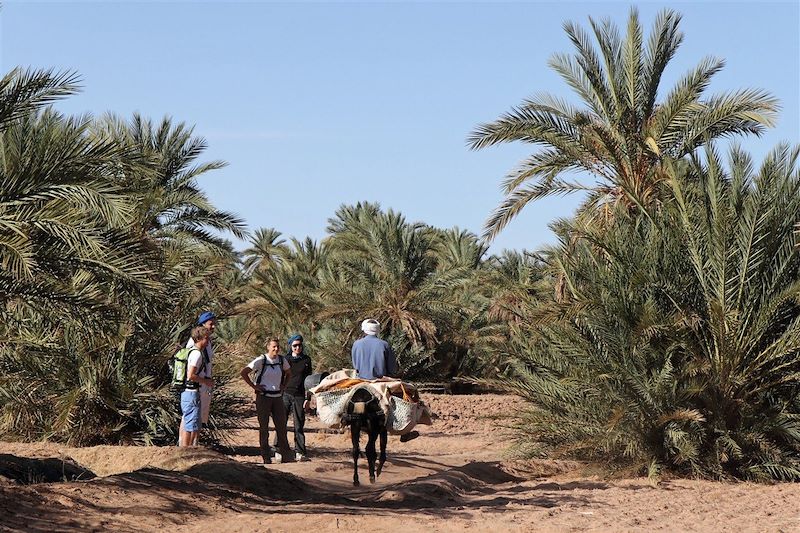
{"x":265,"y":365}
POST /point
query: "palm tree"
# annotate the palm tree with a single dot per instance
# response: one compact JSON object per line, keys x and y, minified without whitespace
{"x":457,"y":248}
{"x":518,"y":283}
{"x":352,"y":216}
{"x":23,"y":92}
{"x":283,"y":298}
{"x":266,"y":250}
{"x":677,"y":345}
{"x":59,"y":215}
{"x":105,"y":249}
{"x":621,"y":133}
{"x":384,"y":267}
{"x":170,"y":204}
{"x":63,"y":221}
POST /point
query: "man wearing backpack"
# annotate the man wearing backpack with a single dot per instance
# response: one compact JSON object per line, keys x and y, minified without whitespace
{"x":190,"y":397}
{"x":208,"y":321}
{"x":272,"y":373}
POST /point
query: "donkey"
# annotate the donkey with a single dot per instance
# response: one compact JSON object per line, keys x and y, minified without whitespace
{"x":364,"y":411}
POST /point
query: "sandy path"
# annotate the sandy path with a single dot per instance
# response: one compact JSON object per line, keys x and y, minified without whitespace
{"x":453,"y":478}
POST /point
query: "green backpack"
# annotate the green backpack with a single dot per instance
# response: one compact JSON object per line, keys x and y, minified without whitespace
{"x":180,"y":370}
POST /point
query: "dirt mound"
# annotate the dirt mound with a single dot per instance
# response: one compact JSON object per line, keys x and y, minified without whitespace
{"x":27,"y":471}
{"x":132,"y":466}
{"x":108,"y":460}
{"x":219,"y":479}
{"x":488,"y":473}
{"x":447,"y":487}
{"x":539,"y":468}
{"x":252,"y":479}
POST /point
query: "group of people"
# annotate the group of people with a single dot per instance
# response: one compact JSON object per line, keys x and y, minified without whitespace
{"x":279,"y":387}
{"x":280,"y":383}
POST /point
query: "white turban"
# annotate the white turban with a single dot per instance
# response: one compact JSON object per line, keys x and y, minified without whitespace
{"x":371,"y":326}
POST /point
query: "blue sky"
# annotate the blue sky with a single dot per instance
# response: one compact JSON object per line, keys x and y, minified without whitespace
{"x":319,"y":104}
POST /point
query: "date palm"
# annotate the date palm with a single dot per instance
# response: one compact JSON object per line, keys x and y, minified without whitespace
{"x":63,"y":221}
{"x":170,"y":204}
{"x":518,"y":282}
{"x":677,"y":344}
{"x":385,"y":268}
{"x":100,"y":263}
{"x":22,"y":92}
{"x":283,"y":298}
{"x":457,"y":248}
{"x":265,"y":251}
{"x":615,"y":140}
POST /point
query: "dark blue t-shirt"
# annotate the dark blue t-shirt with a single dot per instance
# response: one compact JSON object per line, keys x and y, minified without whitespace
{"x":373,"y":358}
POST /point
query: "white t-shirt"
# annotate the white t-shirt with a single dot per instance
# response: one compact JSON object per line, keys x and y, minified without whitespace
{"x":195,"y":361}
{"x":206,"y":373}
{"x":271,"y":378}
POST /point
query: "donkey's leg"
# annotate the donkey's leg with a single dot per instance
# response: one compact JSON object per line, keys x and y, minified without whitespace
{"x":355,"y":435}
{"x":384,"y":435}
{"x":371,"y":454}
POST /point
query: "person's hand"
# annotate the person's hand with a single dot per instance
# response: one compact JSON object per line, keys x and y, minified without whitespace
{"x":307,"y":406}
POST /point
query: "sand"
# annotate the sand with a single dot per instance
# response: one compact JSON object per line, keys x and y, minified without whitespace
{"x":455,"y":477}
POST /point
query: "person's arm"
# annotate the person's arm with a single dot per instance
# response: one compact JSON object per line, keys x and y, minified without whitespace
{"x":306,"y":394}
{"x":193,"y":376}
{"x":245,"y":373}
{"x":391,"y":362}
{"x":287,"y":375}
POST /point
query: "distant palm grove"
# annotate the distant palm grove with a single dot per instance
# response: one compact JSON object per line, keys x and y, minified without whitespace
{"x":661,"y":334}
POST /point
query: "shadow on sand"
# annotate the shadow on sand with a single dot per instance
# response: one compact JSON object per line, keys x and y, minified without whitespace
{"x":202,"y":489}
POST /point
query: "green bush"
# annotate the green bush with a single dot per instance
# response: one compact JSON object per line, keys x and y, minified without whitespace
{"x":675,"y":341}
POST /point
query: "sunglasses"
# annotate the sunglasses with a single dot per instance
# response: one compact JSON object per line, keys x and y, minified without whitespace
{"x":297,"y":345}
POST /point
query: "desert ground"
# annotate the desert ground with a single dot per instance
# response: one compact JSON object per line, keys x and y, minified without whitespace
{"x":456,"y":476}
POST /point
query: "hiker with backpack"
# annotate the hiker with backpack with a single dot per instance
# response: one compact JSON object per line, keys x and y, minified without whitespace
{"x":208,"y":321}
{"x":190,"y":372}
{"x":272,"y":372}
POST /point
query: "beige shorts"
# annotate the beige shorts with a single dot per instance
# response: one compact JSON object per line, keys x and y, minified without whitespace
{"x":205,"y":403}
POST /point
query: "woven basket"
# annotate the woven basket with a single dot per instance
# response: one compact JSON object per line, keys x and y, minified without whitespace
{"x":403,"y":416}
{"x":331,"y":406}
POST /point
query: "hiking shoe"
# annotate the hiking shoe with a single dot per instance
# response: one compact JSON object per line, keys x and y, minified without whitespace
{"x":409,"y":436}
{"x":300,"y":458}
{"x":278,"y":458}
{"x":267,"y":461}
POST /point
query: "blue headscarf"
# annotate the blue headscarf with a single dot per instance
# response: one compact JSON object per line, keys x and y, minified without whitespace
{"x":295,"y":337}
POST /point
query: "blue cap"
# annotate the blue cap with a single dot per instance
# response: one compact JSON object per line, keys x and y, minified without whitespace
{"x":205,"y":317}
